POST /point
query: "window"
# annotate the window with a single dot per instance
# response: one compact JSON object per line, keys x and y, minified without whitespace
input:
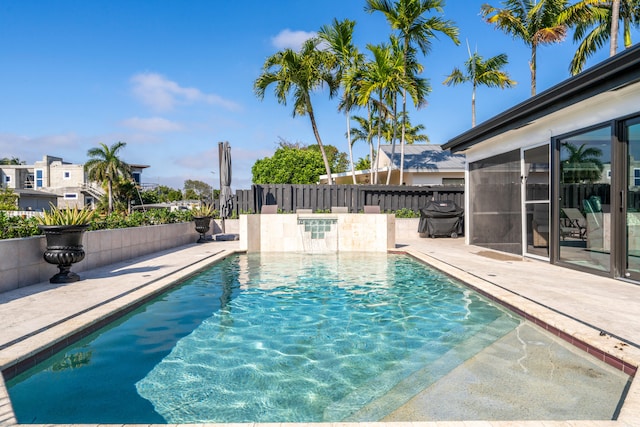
{"x":70,"y":196}
{"x":7,"y":179}
{"x":66,"y":174}
{"x":636,"y":177}
{"x":39,"y":178}
{"x":136,"y":177}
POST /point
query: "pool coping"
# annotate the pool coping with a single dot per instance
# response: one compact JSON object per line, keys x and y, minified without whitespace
{"x":41,"y":344}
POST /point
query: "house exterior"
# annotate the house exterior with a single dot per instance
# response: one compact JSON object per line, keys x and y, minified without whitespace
{"x":424,"y":164}
{"x":52,"y":180}
{"x":556,"y":177}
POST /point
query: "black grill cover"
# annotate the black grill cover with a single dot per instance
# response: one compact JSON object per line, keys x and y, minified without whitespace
{"x":441,"y":218}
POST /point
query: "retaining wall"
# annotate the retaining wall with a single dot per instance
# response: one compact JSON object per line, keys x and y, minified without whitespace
{"x":21,"y":262}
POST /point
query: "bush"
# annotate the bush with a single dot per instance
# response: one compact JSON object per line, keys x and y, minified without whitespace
{"x":406,"y":213}
{"x":18,"y":226}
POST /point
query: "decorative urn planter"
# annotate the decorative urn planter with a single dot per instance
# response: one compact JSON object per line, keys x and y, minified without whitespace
{"x":64,"y":247}
{"x":203,"y":223}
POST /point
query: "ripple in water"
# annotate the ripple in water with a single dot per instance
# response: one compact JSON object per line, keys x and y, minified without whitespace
{"x":315,"y":338}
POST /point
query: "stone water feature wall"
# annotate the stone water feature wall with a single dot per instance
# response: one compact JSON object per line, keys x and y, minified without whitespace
{"x":317,"y":232}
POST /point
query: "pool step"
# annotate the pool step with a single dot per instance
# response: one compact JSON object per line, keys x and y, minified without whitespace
{"x":393,"y":388}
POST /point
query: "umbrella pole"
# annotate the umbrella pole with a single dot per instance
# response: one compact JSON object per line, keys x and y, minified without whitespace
{"x":220,"y":148}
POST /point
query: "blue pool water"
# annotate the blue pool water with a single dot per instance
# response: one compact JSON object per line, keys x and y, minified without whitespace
{"x":267,"y":338}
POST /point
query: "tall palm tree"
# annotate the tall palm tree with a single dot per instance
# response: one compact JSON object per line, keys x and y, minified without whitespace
{"x":339,"y":37}
{"x":535,"y":22}
{"x":480,"y":72}
{"x":104,"y":165}
{"x":301,"y":72}
{"x":407,"y":17}
{"x":595,"y":22}
{"x":382,"y":76}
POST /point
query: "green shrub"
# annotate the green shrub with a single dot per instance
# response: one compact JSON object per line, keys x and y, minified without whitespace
{"x":406,"y":213}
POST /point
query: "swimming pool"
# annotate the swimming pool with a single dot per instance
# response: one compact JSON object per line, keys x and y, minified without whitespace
{"x":270,"y":339}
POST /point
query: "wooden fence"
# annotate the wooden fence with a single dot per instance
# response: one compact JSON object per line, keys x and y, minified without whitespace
{"x":289,"y":197}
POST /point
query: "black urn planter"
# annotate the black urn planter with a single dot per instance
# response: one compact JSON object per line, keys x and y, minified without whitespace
{"x":64,"y":247}
{"x":203,"y":223}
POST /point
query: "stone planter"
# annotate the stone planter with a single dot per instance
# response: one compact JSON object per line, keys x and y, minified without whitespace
{"x":203,"y":224}
{"x":64,"y":247}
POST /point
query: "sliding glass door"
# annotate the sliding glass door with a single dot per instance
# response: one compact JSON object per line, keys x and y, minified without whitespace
{"x":585,"y":227}
{"x":631,"y":134}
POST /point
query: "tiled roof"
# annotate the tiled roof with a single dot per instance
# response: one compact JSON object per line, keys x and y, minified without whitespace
{"x":425,"y":157}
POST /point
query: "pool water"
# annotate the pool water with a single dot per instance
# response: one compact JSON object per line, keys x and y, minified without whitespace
{"x":269,"y":338}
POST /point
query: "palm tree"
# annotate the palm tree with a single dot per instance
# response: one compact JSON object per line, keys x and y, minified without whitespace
{"x":339,"y":37}
{"x":105,"y":165}
{"x":481,"y":72}
{"x":407,"y":18}
{"x":301,"y":72}
{"x":536,"y":22}
{"x":364,"y":132}
{"x":597,"y":21}
{"x":381,"y":77}
{"x":12,"y":161}
{"x":583,"y":163}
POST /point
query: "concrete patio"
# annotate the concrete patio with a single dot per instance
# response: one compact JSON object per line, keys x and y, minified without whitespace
{"x":600,"y":315}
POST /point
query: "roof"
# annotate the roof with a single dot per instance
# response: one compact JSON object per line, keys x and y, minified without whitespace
{"x":32,"y":192}
{"x":612,"y":74}
{"x":425,"y":158}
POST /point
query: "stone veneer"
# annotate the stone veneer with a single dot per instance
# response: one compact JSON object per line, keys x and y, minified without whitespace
{"x":317,"y":232}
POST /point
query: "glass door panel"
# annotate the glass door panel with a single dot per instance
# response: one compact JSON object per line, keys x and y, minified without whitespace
{"x":633,"y":202}
{"x":536,"y":200}
{"x":585,"y":199}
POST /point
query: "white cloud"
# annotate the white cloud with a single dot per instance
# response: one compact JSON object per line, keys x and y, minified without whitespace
{"x":288,"y":39}
{"x":161,"y":94}
{"x":152,"y":124}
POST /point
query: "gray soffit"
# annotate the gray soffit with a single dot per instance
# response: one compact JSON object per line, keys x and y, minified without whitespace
{"x":613,"y":73}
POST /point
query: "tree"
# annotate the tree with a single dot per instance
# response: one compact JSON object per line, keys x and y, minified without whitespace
{"x":381,"y":77}
{"x":535,"y":22}
{"x":195,"y":189}
{"x":12,"y":161}
{"x":363,"y":163}
{"x":339,"y":37}
{"x":296,"y":164}
{"x":582,"y":164}
{"x":8,"y":200}
{"x":407,"y":18}
{"x":161,"y":194}
{"x":595,"y":22}
{"x":364,"y":132}
{"x":104,"y":165}
{"x":301,"y":72}
{"x":481,"y":72}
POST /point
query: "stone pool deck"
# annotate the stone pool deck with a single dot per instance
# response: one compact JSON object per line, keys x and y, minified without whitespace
{"x":601,"y":315}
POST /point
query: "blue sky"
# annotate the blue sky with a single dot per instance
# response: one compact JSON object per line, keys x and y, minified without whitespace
{"x":173,"y":78}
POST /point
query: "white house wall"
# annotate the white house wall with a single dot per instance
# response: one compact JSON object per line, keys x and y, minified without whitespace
{"x":596,"y":110}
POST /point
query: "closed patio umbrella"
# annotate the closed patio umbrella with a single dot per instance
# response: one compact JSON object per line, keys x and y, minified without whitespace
{"x":226,"y":197}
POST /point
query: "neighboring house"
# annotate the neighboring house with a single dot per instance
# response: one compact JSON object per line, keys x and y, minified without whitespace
{"x":424,"y":164}
{"x":555,"y":177}
{"x":52,"y":180}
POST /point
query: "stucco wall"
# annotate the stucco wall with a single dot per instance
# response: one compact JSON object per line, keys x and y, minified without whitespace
{"x":21,"y":262}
